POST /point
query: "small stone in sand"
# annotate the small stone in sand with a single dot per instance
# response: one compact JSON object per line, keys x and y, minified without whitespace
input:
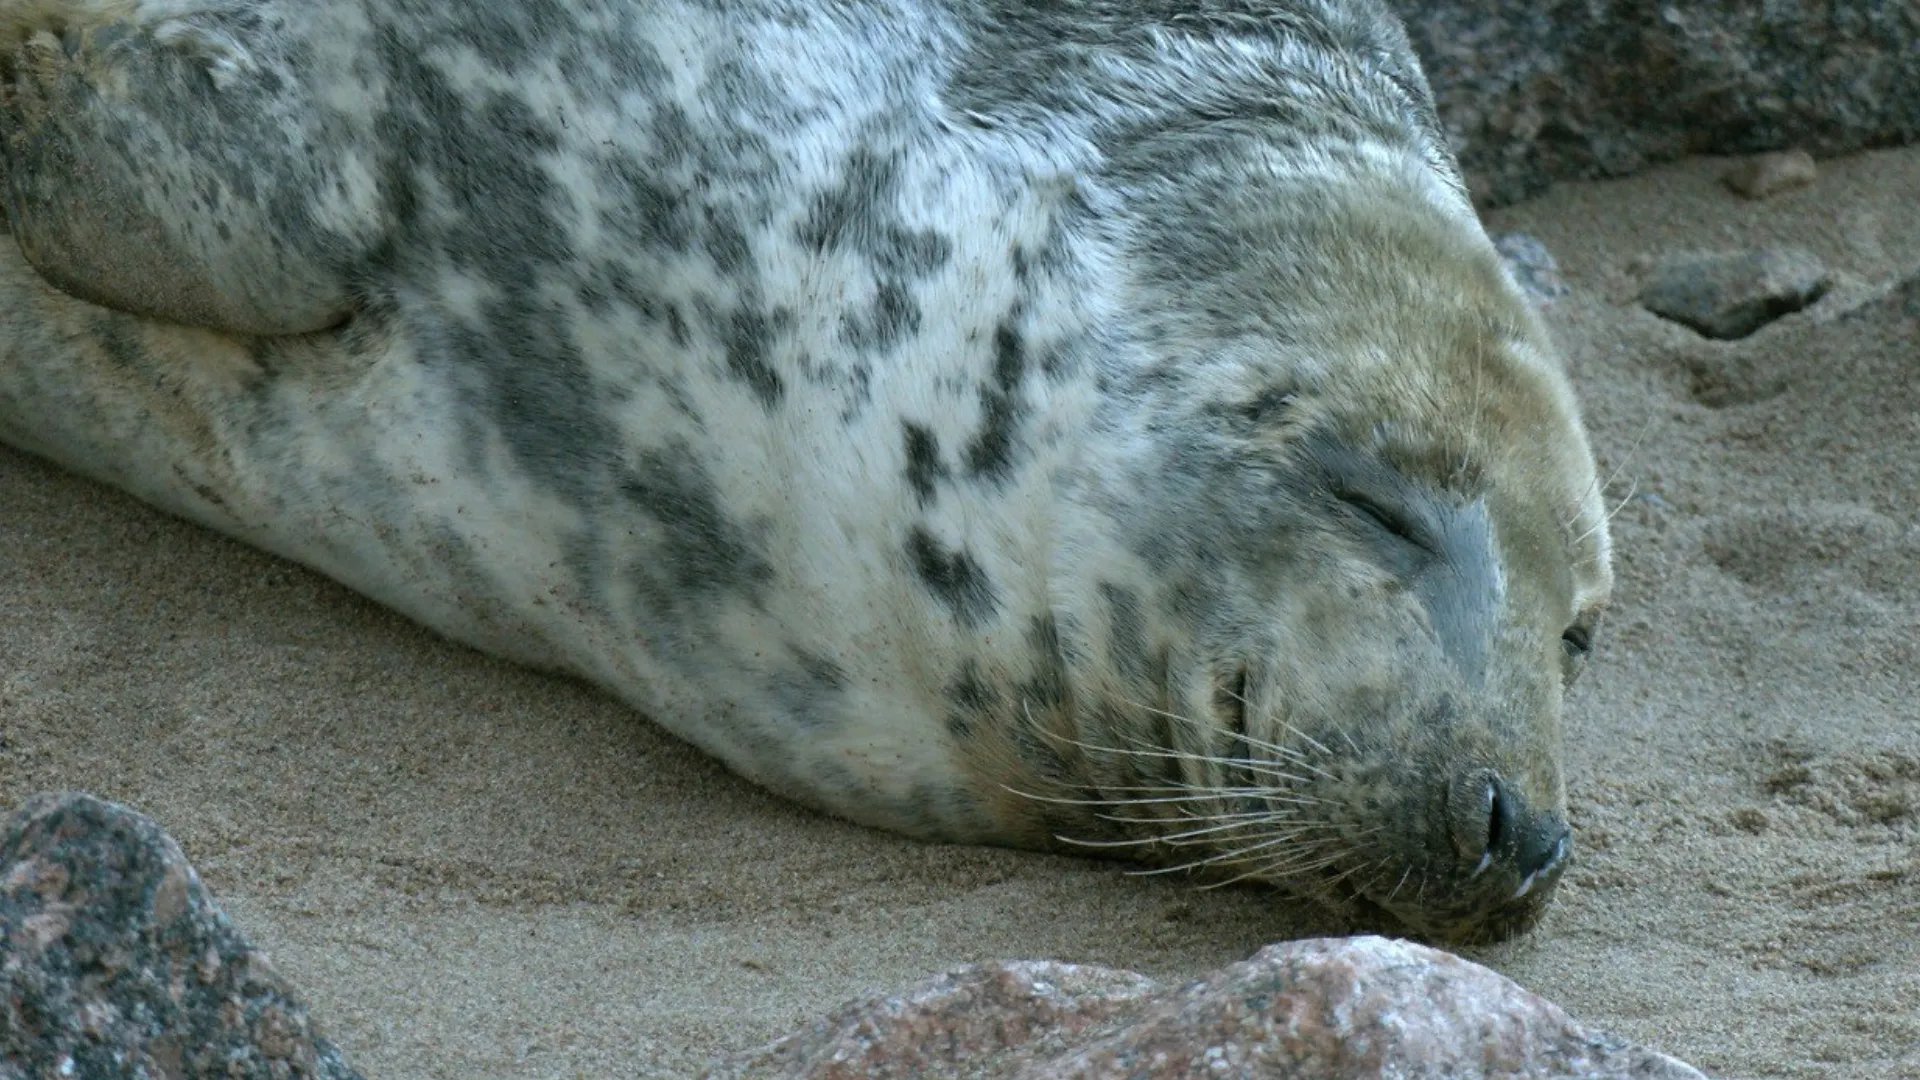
{"x":1769,"y":174}
{"x":1532,"y":265}
{"x":1731,"y":294}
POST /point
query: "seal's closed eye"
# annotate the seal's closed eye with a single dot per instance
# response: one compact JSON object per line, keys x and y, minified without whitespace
{"x":1389,"y":519}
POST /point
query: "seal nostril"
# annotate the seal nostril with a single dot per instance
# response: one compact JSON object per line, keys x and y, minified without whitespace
{"x":1497,"y":811}
{"x":1475,"y":815}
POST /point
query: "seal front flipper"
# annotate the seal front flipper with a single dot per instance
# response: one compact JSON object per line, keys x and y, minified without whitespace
{"x":176,"y":168}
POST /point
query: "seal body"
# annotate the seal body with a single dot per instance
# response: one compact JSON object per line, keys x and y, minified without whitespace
{"x":1093,"y":424}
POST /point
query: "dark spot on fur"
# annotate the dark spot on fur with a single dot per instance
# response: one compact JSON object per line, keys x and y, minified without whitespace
{"x":749,"y":337}
{"x":200,"y":489}
{"x":861,"y":215}
{"x":477,"y":157}
{"x":519,"y":32}
{"x":1043,"y":695}
{"x":857,"y":391}
{"x":954,"y":577}
{"x":726,"y":244}
{"x":1126,"y":632}
{"x":806,"y":690}
{"x":936,"y":806}
{"x":609,"y":287}
{"x":1268,"y":405}
{"x":1047,"y":687}
{"x":702,"y":550}
{"x":265,"y":354}
{"x":647,"y":212}
{"x":971,"y":701}
{"x":990,"y":455}
{"x":677,"y":326}
{"x":121,"y":343}
{"x":924,"y":467}
{"x":893,"y":318}
{"x":542,"y":399}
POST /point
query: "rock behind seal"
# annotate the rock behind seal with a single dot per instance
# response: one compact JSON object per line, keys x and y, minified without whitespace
{"x":1578,"y":89}
{"x":1730,"y":294}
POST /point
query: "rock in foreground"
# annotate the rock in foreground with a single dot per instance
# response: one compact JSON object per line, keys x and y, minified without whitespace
{"x":1332,"y":1008}
{"x":116,"y":963}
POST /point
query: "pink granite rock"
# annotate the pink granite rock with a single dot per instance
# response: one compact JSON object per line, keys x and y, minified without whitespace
{"x":1332,"y":1008}
{"x":116,"y":963}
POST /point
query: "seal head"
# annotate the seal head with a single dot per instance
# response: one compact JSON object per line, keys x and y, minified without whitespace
{"x":1337,"y":566}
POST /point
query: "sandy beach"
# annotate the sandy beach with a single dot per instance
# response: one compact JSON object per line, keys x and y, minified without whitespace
{"x":473,"y":870}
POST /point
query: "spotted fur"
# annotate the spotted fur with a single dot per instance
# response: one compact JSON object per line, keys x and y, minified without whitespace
{"x":1085,"y":423}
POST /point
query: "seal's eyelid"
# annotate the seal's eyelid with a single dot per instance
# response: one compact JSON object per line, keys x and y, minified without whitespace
{"x":1395,"y":522}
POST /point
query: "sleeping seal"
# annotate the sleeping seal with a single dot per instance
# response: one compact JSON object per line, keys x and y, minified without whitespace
{"x":1092,"y":424}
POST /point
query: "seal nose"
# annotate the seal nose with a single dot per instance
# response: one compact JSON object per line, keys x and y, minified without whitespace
{"x":1542,"y":851}
{"x":1492,"y":824}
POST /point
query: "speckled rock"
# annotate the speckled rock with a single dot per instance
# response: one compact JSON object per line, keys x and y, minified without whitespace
{"x":1333,"y":1008}
{"x":1562,"y":89}
{"x":1730,"y":294}
{"x":116,"y":963}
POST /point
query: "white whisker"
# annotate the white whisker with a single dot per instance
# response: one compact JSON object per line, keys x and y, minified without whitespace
{"x":1401,"y":882}
{"x":1185,"y":838}
{"x":1237,"y":855}
{"x":1252,"y":741}
{"x":1197,"y":795}
{"x":1259,"y":768}
{"x":1611,"y":514}
{"x":1277,"y":866}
